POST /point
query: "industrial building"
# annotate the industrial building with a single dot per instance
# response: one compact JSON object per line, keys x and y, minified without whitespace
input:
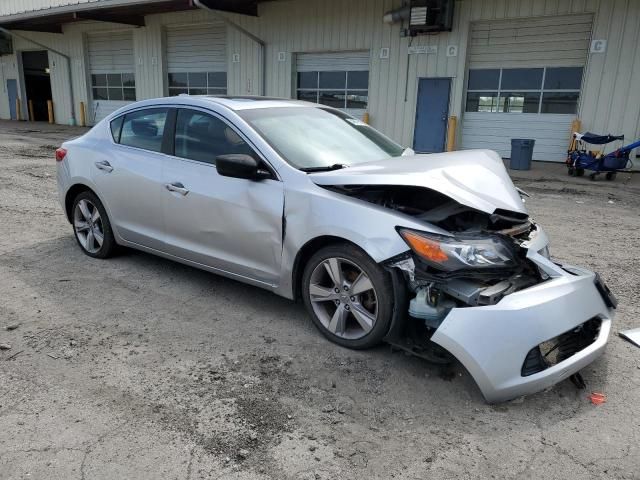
{"x":503,"y":68}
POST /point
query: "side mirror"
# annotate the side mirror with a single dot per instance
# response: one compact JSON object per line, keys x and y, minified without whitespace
{"x":240,"y":165}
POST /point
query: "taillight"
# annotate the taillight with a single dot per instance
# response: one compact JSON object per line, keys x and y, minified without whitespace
{"x":60,"y":154}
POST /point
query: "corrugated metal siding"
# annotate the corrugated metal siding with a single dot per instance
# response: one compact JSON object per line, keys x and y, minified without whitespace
{"x":13,"y":7}
{"x":110,"y":52}
{"x":197,"y":48}
{"x":555,"y":41}
{"x":610,"y":100}
{"x":611,"y":92}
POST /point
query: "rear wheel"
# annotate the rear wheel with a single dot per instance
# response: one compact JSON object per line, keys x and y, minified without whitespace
{"x":579,"y":172}
{"x":349,"y":297}
{"x":610,"y":175}
{"x":91,"y":226}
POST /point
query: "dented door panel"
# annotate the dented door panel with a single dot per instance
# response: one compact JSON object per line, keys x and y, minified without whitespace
{"x":229,"y":224}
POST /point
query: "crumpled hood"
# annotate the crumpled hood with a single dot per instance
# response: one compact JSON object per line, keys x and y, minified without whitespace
{"x":474,"y":178}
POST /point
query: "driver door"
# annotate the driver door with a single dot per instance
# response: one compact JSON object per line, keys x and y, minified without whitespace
{"x":230,"y":224}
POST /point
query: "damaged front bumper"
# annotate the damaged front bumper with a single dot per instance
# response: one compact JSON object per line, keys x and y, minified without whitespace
{"x":492,"y":342}
{"x":508,"y":347}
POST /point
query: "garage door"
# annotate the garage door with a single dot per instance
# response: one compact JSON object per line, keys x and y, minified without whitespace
{"x":524,"y":81}
{"x":337,"y":79}
{"x":197,"y":60}
{"x":111,"y":66}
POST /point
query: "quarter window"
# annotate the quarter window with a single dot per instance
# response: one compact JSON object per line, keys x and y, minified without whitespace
{"x":198,"y":83}
{"x":339,"y":89}
{"x":524,"y":90}
{"x":144,"y":129}
{"x":113,"y":86}
{"x":116,"y":128}
{"x":203,"y":137}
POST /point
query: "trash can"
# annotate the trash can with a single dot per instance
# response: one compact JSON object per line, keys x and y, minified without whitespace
{"x":521,"y":153}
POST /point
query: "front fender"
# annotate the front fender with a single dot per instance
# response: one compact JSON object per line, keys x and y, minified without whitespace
{"x":319,"y":213}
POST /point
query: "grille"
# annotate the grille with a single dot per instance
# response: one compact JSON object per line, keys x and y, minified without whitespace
{"x":560,"y":348}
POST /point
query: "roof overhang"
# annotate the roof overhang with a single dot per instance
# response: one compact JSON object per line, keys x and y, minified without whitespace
{"x":117,"y":11}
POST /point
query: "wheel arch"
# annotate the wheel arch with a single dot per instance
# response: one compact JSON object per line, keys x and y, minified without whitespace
{"x":72,"y":193}
{"x":305,"y":253}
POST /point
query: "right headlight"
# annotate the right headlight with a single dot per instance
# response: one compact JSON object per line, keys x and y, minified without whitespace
{"x":456,"y":253}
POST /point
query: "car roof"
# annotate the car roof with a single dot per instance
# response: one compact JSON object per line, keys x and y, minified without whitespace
{"x":230,"y":102}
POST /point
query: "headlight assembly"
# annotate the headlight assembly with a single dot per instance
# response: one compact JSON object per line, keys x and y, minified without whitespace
{"x":455,"y":253}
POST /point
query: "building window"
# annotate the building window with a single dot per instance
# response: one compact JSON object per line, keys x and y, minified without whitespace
{"x":114,"y":86}
{"x":524,"y":90}
{"x":198,"y":83}
{"x":339,"y":89}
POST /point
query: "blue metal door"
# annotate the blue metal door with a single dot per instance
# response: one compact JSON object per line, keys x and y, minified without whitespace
{"x":432,"y":113}
{"x":12,"y":91}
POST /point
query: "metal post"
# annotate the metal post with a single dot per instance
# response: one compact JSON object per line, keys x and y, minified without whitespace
{"x":451,"y":133}
{"x":50,"y":110}
{"x":67,"y":57}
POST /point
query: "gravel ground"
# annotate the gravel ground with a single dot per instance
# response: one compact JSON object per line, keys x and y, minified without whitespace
{"x":138,"y":367}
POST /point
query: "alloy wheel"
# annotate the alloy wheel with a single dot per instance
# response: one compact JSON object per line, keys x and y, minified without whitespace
{"x":88,"y":226}
{"x":343,"y":298}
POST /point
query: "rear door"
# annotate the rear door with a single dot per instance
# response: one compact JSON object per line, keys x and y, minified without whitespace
{"x":129,"y":176}
{"x":231,"y":224}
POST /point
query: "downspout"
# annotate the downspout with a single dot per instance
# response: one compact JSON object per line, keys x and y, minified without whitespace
{"x":67,"y":57}
{"x":235,"y":26}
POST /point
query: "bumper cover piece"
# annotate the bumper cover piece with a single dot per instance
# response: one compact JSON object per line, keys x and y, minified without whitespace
{"x":492,"y":342}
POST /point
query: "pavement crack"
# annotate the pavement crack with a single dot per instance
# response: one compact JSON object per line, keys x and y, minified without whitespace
{"x":190,"y":464}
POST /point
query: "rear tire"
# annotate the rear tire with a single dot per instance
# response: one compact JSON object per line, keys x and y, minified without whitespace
{"x":610,"y":175}
{"x":91,"y":226}
{"x":579,"y":172}
{"x":348,"y":295}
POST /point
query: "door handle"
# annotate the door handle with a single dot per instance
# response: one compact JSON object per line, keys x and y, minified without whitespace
{"x":176,"y":187}
{"x":104,"y":166}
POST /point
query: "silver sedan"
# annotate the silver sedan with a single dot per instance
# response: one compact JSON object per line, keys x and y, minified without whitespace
{"x":435,"y":254}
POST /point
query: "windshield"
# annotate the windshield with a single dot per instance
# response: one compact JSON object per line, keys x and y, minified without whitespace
{"x":312,"y":138}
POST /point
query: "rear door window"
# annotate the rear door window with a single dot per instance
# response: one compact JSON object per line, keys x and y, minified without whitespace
{"x":203,"y":137}
{"x":144,"y":129}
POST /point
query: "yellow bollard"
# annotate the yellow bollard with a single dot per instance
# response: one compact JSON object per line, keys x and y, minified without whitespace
{"x":50,"y":109}
{"x":451,"y":133}
{"x":32,"y":117}
{"x":83,"y":115}
{"x":365,"y":118}
{"x":18,"y":109}
{"x":576,"y":125}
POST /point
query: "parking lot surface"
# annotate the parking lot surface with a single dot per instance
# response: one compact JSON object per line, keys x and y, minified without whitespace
{"x":137,"y":367}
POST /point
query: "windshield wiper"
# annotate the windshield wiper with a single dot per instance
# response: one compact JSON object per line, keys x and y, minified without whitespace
{"x":327,"y":168}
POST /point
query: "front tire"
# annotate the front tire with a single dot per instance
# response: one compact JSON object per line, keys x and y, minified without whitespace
{"x":349,"y":297}
{"x":91,"y":226}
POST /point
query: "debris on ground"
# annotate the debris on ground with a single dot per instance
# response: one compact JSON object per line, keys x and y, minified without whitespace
{"x":15,"y":355}
{"x":5,"y":346}
{"x":12,"y":326}
{"x":243,"y":453}
{"x":597,"y":398}
{"x":632,"y":335}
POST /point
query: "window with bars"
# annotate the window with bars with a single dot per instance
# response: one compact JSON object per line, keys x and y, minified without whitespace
{"x":198,"y":83}
{"x":524,"y":90}
{"x":114,"y":86}
{"x":339,"y":89}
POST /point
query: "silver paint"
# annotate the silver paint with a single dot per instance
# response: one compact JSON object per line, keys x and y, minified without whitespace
{"x":254,"y":230}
